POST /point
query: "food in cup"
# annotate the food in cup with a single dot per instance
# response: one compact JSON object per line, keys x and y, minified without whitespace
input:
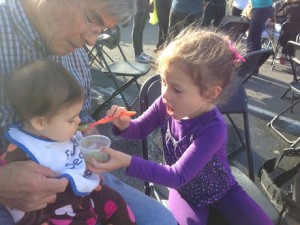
{"x":90,"y":147}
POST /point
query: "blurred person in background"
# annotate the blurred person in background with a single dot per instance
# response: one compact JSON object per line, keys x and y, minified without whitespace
{"x":238,"y":6}
{"x":261,"y":11}
{"x":183,"y":13}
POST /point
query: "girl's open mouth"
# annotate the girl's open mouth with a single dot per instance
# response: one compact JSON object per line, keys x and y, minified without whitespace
{"x":170,"y":111}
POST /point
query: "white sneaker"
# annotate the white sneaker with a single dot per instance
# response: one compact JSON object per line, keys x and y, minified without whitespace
{"x":146,"y":55}
{"x":142,"y":59}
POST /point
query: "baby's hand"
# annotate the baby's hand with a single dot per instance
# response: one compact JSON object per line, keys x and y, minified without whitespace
{"x":121,"y":122}
{"x":116,"y":160}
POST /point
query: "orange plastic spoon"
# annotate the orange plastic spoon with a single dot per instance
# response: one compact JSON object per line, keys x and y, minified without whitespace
{"x":108,"y":119}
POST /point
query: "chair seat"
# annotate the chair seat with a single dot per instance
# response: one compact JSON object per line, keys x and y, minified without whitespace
{"x":131,"y":71}
{"x":246,"y":183}
{"x":265,"y":34}
{"x":234,"y":26}
{"x":295,"y":85}
{"x":256,"y":194}
{"x":131,"y":68}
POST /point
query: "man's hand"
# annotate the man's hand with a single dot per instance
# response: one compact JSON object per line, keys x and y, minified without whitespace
{"x":28,"y":186}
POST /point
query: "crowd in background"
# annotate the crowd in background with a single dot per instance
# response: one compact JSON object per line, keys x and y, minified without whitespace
{"x":173,"y":15}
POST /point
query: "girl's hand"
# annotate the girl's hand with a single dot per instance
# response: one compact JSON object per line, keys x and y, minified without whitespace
{"x":121,"y":122}
{"x":117,"y":160}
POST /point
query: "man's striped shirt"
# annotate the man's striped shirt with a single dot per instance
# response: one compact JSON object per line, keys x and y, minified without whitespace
{"x":20,"y":44}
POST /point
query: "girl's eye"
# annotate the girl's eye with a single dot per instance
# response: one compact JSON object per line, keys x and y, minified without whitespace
{"x":177,"y":91}
{"x":71,"y":121}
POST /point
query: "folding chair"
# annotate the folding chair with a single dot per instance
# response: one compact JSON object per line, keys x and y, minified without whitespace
{"x":293,"y":49}
{"x":254,"y":60}
{"x":270,"y":35}
{"x":130,"y":70}
{"x":288,"y":32}
{"x":151,"y":90}
{"x":234,"y":26}
{"x":293,"y":56}
{"x":100,"y":41}
{"x":235,"y":104}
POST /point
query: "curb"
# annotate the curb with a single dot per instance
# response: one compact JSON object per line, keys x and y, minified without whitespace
{"x":293,"y":125}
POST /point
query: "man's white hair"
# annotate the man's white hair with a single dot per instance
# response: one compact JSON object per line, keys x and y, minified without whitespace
{"x":121,"y":10}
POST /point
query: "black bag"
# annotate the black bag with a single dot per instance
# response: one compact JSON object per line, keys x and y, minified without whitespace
{"x":287,"y":202}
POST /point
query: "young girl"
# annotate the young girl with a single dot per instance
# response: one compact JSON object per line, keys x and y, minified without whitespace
{"x":48,"y":100}
{"x":195,"y":69}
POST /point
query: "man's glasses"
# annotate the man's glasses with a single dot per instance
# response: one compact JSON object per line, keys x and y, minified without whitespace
{"x":89,"y":29}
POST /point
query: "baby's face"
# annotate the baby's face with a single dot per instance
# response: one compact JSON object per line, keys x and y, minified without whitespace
{"x":64,"y":124}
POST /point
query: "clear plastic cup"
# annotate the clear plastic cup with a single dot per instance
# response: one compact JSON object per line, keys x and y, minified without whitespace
{"x":90,"y":146}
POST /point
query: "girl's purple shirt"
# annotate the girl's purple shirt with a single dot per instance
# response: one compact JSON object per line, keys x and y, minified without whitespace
{"x":209,"y":139}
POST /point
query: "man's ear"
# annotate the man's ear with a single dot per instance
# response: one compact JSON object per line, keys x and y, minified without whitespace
{"x":214,"y":92}
{"x":38,"y":123}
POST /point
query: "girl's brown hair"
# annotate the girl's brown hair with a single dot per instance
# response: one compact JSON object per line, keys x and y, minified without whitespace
{"x":42,"y":88}
{"x":204,"y":54}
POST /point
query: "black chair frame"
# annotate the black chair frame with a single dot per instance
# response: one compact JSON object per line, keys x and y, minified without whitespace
{"x":236,"y":105}
{"x":294,"y":57}
{"x":288,"y":32}
{"x":150,"y":91}
{"x":254,"y":60}
{"x":293,"y":49}
{"x":130,"y":70}
{"x":234,"y":26}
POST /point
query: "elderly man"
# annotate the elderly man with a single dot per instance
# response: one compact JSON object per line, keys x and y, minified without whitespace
{"x":57,"y":30}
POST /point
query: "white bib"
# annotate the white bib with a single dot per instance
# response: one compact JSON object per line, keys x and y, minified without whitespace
{"x":62,"y":157}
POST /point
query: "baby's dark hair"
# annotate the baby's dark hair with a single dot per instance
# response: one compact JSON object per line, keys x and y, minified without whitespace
{"x":42,"y":88}
{"x":204,"y":54}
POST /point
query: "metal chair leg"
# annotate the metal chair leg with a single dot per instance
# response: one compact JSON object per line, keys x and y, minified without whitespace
{"x":274,"y":57}
{"x":270,"y":124}
{"x":285,"y":93}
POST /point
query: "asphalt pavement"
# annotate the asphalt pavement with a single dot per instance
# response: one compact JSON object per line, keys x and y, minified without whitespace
{"x":264,"y":102}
